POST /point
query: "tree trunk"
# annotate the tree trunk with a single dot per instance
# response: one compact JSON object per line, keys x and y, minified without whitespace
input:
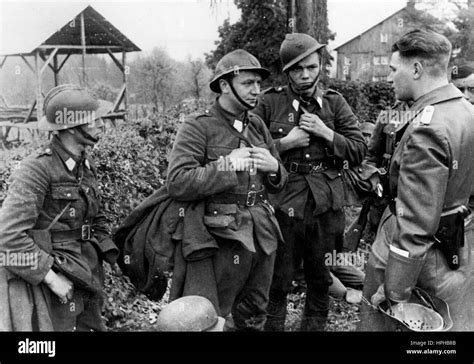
{"x":311,"y":17}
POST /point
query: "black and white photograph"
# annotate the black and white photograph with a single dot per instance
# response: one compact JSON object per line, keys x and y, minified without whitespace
{"x":234,"y":175}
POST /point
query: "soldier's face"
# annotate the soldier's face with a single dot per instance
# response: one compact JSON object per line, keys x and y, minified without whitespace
{"x":401,"y":77}
{"x":247,"y":86}
{"x":305,"y":74}
{"x":466,"y":86}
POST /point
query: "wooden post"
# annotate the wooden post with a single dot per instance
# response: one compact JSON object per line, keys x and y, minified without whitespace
{"x":39,"y":93}
{"x":125,"y":71}
{"x":83,"y":44}
{"x":55,"y":69}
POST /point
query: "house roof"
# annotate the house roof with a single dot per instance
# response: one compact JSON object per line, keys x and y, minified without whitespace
{"x":100,"y":34}
{"x":368,"y":30}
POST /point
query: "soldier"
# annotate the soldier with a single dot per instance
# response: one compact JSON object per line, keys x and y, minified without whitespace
{"x":316,"y":134}
{"x":226,"y":157}
{"x":52,"y":214}
{"x":419,"y":240}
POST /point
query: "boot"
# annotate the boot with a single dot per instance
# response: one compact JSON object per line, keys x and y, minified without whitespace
{"x":276,"y":314}
{"x":314,"y":323}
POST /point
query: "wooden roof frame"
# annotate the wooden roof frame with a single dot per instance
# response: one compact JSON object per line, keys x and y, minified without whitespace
{"x":87,"y":33}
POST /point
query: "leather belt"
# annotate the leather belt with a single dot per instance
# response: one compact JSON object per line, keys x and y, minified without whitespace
{"x":85,"y":232}
{"x":245,"y":199}
{"x":307,"y":168}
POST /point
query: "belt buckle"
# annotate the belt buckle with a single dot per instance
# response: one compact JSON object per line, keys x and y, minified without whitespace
{"x":85,"y":232}
{"x":251,"y":198}
{"x":293,"y":170}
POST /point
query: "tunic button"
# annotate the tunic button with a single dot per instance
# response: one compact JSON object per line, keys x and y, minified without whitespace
{"x":280,"y":130}
{"x":215,"y":212}
{"x":339,"y":174}
{"x":307,"y":156}
{"x":48,"y":150}
{"x":68,"y":195}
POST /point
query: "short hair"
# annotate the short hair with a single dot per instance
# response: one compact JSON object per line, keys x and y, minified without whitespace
{"x":462,"y":70}
{"x":432,"y":48}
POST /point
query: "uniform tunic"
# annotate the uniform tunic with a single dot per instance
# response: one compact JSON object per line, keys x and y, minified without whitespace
{"x":44,"y":185}
{"x":430,"y":172}
{"x":309,"y":209}
{"x":247,"y":234}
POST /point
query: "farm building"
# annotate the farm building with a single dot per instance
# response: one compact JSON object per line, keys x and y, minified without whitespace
{"x":366,"y":57}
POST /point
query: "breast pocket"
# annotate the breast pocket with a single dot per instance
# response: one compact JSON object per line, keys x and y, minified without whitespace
{"x":215,"y":152}
{"x":279,"y":130}
{"x":66,"y":195}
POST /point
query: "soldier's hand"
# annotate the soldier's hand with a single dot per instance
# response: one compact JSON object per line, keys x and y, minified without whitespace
{"x":240,"y":159}
{"x":296,"y":138}
{"x":311,"y":123}
{"x":60,"y":285}
{"x":264,"y":161}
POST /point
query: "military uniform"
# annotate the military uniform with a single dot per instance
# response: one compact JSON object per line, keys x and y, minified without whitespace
{"x":430,"y":173}
{"x":238,"y":213}
{"x":309,"y":209}
{"x":53,"y":183}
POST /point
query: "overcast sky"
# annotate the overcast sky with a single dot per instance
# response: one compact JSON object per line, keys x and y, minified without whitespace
{"x":183,"y":27}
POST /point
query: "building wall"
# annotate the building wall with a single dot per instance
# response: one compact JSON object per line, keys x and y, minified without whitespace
{"x":366,"y":58}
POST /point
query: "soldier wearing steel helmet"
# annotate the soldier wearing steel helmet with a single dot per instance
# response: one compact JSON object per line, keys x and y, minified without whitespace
{"x":52,"y":213}
{"x":225,"y":156}
{"x":316,"y":134}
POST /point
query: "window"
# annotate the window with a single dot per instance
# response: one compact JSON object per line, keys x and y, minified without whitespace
{"x":379,"y":78}
{"x":376,"y":60}
{"x":383,"y":38}
{"x":347,"y":61}
{"x":345,"y":70}
{"x":384,"y":60}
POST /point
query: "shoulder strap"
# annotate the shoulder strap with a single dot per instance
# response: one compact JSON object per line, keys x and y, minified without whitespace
{"x":58,"y":216}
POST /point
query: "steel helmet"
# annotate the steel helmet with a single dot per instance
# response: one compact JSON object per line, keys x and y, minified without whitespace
{"x":190,"y":313}
{"x":423,"y":312}
{"x":68,"y":106}
{"x":297,"y":46}
{"x":235,"y":61}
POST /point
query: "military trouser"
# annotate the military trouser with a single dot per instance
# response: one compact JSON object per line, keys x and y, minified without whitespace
{"x":309,"y":242}
{"x":456,"y":287}
{"x":243,"y":282}
{"x":83,"y":311}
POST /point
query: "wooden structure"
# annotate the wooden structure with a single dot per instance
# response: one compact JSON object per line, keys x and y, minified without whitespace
{"x":366,"y":57}
{"x":87,"y":33}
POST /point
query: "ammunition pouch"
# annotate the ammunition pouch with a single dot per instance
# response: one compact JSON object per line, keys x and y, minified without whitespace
{"x":449,"y":237}
{"x":361,"y":181}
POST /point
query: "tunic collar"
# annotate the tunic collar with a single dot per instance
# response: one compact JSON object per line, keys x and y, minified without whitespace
{"x":440,"y":94}
{"x":69,"y":159}
{"x":316,"y":98}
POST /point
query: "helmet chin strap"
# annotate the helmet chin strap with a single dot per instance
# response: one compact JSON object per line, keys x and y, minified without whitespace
{"x":87,"y":135}
{"x":300,"y":89}
{"x":246,"y":105}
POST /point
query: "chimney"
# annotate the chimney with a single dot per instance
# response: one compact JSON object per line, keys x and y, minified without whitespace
{"x":411,"y":4}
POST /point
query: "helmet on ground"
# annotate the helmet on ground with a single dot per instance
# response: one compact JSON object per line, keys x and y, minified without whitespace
{"x":235,"y":61}
{"x":190,"y":313}
{"x":68,"y":106}
{"x":296,"y":47}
